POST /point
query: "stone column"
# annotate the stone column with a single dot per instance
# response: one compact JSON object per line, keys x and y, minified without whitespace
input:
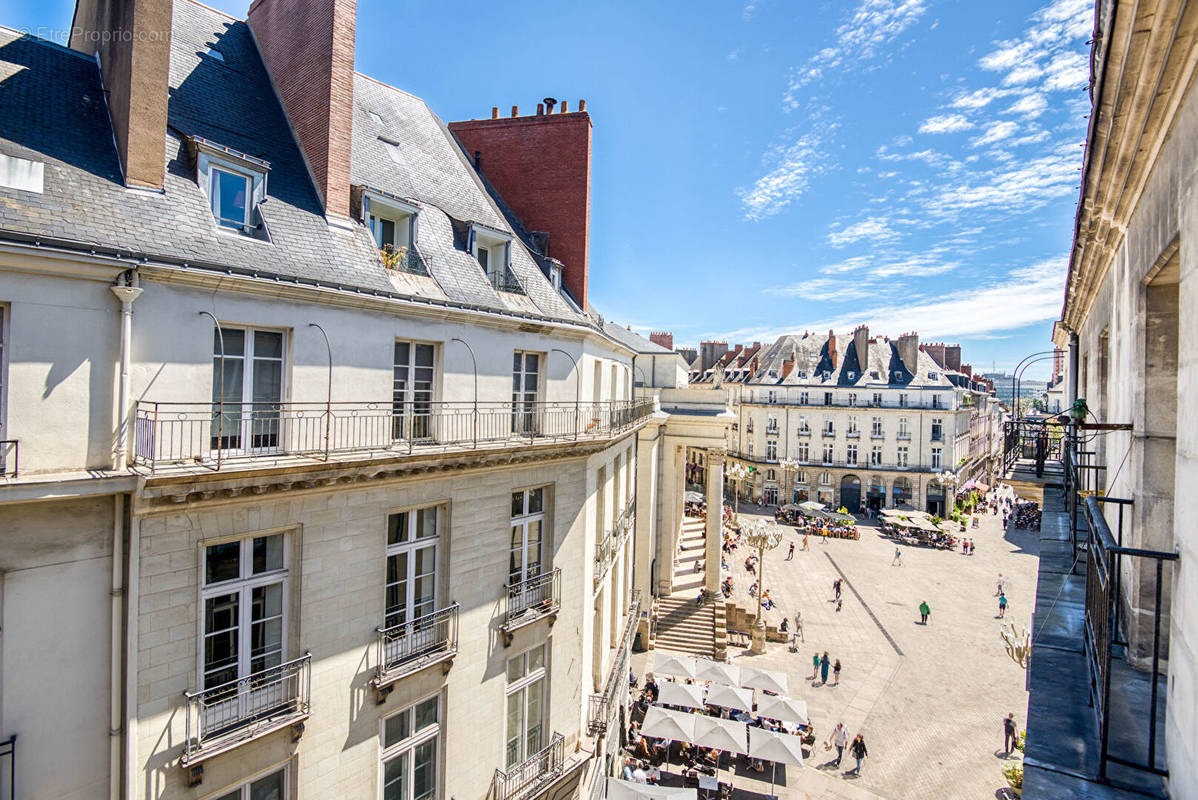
{"x":715,"y":522}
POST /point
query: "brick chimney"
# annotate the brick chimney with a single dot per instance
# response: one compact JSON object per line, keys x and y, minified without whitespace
{"x":662,"y":338}
{"x":833,"y":356}
{"x":936,"y":351}
{"x":861,"y":345}
{"x":133,"y":41}
{"x":908,"y":350}
{"x":541,"y":166}
{"x":952,"y":357}
{"x":308,"y":49}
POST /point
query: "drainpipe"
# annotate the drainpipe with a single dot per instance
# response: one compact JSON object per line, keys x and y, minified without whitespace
{"x":131,"y":643}
{"x":116,"y":715}
{"x":1073,"y":348}
{"x":127,"y":293}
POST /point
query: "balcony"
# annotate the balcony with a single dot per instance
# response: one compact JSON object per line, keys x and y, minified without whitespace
{"x":903,"y":436}
{"x":852,"y":434}
{"x":403,"y":259}
{"x":804,"y":431}
{"x":601,"y":708}
{"x":243,"y":435}
{"x":225,"y":716}
{"x":771,"y":430}
{"x":608,"y":547}
{"x":536,"y":773}
{"x":829,"y":433}
{"x":531,"y":600}
{"x":411,"y":646}
{"x":10,"y":458}
{"x":505,"y":281}
{"x":878,"y":435}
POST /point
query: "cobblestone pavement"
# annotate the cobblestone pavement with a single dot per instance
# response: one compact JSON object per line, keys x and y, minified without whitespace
{"x":928,"y":699}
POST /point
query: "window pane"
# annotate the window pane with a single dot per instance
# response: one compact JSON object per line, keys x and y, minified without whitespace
{"x":234,"y":342}
{"x":536,"y":659}
{"x":397,"y":528}
{"x":426,"y":714}
{"x":517,"y":504}
{"x":230,"y":198}
{"x":222,"y":562}
{"x":395,"y":777}
{"x":515,"y":669}
{"x":424,"y":355}
{"x":515,"y":728}
{"x":396,"y":728}
{"x":535,"y":500}
{"x":268,"y":344}
{"x":534,"y":692}
{"x":268,"y":788}
{"x":424,"y":773}
{"x":530,"y":362}
{"x":386,"y":231}
{"x":268,"y":553}
{"x":426,"y":522}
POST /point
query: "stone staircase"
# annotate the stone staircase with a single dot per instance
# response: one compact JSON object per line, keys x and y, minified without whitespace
{"x":682,"y":625}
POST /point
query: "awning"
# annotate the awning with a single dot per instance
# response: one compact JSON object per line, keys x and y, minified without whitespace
{"x":721,"y":734}
{"x":678,"y":666}
{"x":783,"y":709}
{"x":618,"y":789}
{"x":732,"y":697}
{"x":661,"y":723}
{"x":718,"y":671}
{"x":693,"y":497}
{"x":781,"y":748}
{"x":770,"y":681}
{"x":684,"y":695}
{"x":811,"y":505}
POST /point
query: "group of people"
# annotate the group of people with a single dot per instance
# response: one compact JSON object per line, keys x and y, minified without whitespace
{"x":838,"y":738}
{"x":1024,"y":514}
{"x":967,"y":547}
{"x":820,"y":666}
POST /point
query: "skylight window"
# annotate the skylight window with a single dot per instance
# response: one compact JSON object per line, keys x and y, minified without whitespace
{"x":374,"y":116}
{"x":234,"y":182}
{"x":214,"y":53}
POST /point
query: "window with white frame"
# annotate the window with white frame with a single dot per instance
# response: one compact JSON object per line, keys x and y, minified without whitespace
{"x":750,"y":449}
{"x":247,"y":388}
{"x":413,"y":538}
{"x":904,"y":429}
{"x":410,"y":739}
{"x":825,"y":478}
{"x":800,"y":476}
{"x":412,"y":390}
{"x":492,"y":249}
{"x":876,"y":427}
{"x":804,"y":452}
{"x":526,"y":686}
{"x":771,"y":450}
{"x":937,"y":457}
{"x":902,"y":456}
{"x":936,"y":401}
{"x":245,"y":585}
{"x":526,"y":390}
{"x":875,"y":456}
{"x":829,"y":427}
{"x":827,"y":398}
{"x":269,"y":787}
{"x":526,"y":555}
{"x":392,"y":222}
{"x":903,"y":399}
{"x":852,"y":398}
{"x":771,"y":397}
{"x":851,"y":454}
{"x":827,"y":454}
{"x":852,"y":426}
{"x":771,"y":475}
{"x":937,"y":429}
{"x":802,"y":398}
{"x":234,"y":182}
{"x":804,"y":428}
{"x":877,"y":398}
{"x":771,"y":424}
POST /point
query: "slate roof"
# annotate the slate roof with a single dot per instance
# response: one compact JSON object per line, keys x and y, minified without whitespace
{"x":52,"y":110}
{"x":812,"y":357}
{"x":634,"y":341}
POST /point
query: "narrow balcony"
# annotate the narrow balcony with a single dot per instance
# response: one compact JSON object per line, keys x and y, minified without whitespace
{"x":607,"y":548}
{"x":771,"y":430}
{"x":218,"y":436}
{"x":411,"y":646}
{"x":852,"y":434}
{"x":829,"y":434}
{"x":505,"y":281}
{"x":903,"y":436}
{"x":403,"y":259}
{"x":536,"y":773}
{"x":601,"y":708}
{"x":531,"y":600}
{"x":225,"y":716}
{"x":804,"y":431}
{"x":877,"y":436}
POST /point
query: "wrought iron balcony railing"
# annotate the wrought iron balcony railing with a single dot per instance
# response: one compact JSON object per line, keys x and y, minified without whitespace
{"x":404,"y":648}
{"x":602,"y":707}
{"x":505,"y":281}
{"x":403,"y":259}
{"x":524,"y":780}
{"x":532,"y":599}
{"x":218,"y":434}
{"x":227,"y":715}
{"x":607,"y":547}
{"x":1038,"y":441}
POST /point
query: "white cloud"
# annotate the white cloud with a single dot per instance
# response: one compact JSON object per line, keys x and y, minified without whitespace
{"x":945,"y":123}
{"x":1020,"y":187}
{"x":874,"y":228}
{"x":1066,"y":72}
{"x":979,"y":98}
{"x":863,"y":36}
{"x":995,"y":132}
{"x":786,"y":181}
{"x":827,"y":290}
{"x":1029,"y":106}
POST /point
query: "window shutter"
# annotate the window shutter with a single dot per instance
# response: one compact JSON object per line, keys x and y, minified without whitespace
{"x":470,"y":240}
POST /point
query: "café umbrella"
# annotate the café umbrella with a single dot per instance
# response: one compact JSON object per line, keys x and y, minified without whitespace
{"x":764,"y":679}
{"x":619,"y":789}
{"x":718,"y":671}
{"x":683,"y":695}
{"x":776,"y":748}
{"x":720,"y":734}
{"x":781,"y":708}
{"x":673,"y":726}
{"x":733,"y":697}
{"x":678,"y":666}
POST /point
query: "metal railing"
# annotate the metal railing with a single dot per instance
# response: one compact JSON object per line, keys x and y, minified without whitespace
{"x":8,"y":766}
{"x":607,"y":547}
{"x":505,"y":281}
{"x":405,"y":647}
{"x":533,"y":598}
{"x":403,"y":259}
{"x":1105,"y":631}
{"x":1039,"y":441}
{"x":10,"y":458}
{"x":601,"y":707}
{"x":247,"y":707}
{"x":526,"y":778}
{"x":213,"y":434}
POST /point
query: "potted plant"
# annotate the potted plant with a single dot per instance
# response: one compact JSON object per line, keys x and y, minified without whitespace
{"x":1014,"y":776}
{"x":1079,"y":410}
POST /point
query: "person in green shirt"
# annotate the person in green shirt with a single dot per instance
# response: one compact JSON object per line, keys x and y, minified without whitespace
{"x":814,"y":665}
{"x":924,"y":610}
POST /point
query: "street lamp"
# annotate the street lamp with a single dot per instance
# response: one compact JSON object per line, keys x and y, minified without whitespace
{"x":788,"y":465}
{"x":737,"y":472}
{"x":762,"y":536}
{"x":949,"y":478}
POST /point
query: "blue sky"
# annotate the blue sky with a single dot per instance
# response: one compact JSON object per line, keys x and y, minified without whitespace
{"x":768,"y":166}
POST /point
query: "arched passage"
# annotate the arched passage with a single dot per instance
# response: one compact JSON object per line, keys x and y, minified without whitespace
{"x":875,"y":498}
{"x":901,"y":491}
{"x":850,"y":493}
{"x":935,"y":502}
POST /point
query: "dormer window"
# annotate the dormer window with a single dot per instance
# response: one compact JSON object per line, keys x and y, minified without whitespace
{"x":234,"y":182}
{"x":932,"y":376}
{"x":492,"y":249}
{"x":392,"y":222}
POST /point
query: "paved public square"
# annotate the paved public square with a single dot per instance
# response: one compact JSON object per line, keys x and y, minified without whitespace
{"x":928,"y":699}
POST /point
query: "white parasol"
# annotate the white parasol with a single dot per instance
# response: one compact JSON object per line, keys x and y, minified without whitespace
{"x":777,"y":748}
{"x":675,"y":726}
{"x":783,"y":709}
{"x":730,"y":697}
{"x":618,"y":789}
{"x":720,"y":734}
{"x":770,"y":681}
{"x":718,"y":671}
{"x":684,"y":695}
{"x":678,"y":666}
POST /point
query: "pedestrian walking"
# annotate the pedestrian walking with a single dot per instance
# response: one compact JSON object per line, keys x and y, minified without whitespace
{"x":857,"y":751}
{"x":1010,"y":734}
{"x":897,"y":561}
{"x":836,"y":587}
{"x":799,"y":626}
{"x":836,"y":673}
{"x":999,"y":589}
{"x":838,"y":738}
{"x":1002,"y":605}
{"x":824,"y":664}
{"x":790,"y":553}
{"x":806,"y":542}
{"x":924,"y":611}
{"x":814,"y":665}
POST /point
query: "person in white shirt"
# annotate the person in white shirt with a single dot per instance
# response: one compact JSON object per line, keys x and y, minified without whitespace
{"x":839,"y":737}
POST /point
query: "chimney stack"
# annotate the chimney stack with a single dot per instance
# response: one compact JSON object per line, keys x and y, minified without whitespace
{"x":908,"y":350}
{"x":861,"y":345}
{"x":541,"y":167}
{"x":308,"y":49}
{"x":494,"y":112}
{"x":832,"y":354}
{"x":663,"y":339}
{"x":133,"y":41}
